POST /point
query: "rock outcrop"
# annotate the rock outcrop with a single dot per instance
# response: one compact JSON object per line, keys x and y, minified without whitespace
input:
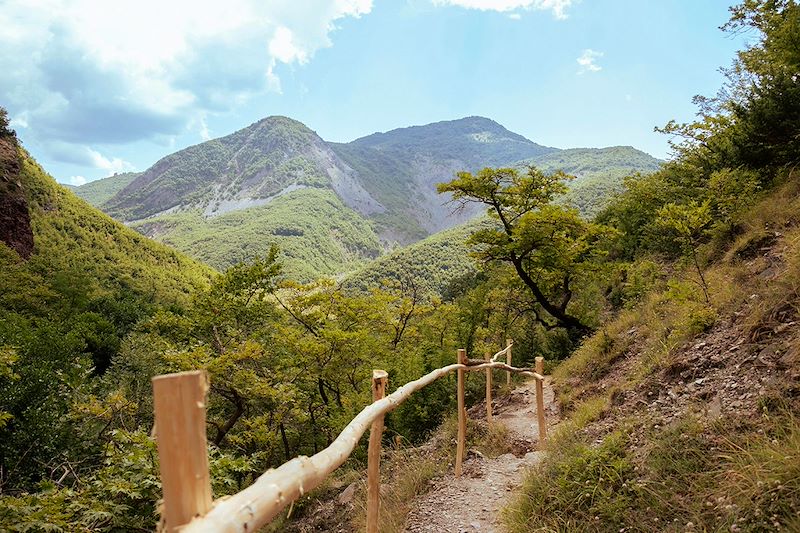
{"x":15,"y":220}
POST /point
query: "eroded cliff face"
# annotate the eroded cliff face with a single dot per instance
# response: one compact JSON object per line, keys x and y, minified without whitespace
{"x":15,"y":220}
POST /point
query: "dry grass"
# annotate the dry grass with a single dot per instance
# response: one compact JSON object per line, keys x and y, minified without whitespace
{"x":407,"y":474}
{"x":733,"y":475}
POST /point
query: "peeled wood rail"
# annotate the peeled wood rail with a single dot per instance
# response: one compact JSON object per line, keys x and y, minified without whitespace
{"x":179,"y":402}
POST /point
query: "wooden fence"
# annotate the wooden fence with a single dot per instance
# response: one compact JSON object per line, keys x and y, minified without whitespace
{"x":180,"y":417}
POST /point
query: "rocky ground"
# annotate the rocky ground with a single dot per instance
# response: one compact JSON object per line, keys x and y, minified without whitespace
{"x":15,"y":220}
{"x":733,"y":368}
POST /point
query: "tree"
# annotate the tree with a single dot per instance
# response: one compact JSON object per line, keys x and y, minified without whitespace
{"x":688,"y":224}
{"x":753,"y":120}
{"x":550,"y":247}
{"x":5,"y":130}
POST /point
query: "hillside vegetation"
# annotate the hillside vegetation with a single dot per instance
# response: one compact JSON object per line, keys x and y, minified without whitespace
{"x":65,"y":308}
{"x":682,"y":407}
{"x":435,"y":265}
{"x":100,"y":191}
{"x":385,"y":183}
{"x":72,"y":237}
{"x":669,"y":320}
{"x":316,"y":233}
{"x":599,"y":173}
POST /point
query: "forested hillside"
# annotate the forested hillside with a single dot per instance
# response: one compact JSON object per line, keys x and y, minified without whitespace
{"x":599,"y":172}
{"x":434,"y":265}
{"x":100,"y":191}
{"x":66,"y":305}
{"x":316,"y":233}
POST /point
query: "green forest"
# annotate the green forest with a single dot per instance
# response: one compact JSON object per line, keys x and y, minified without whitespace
{"x":645,"y":263}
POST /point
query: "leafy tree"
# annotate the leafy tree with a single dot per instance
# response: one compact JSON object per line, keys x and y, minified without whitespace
{"x":754,"y":120}
{"x":551,"y":248}
{"x":688,"y":223}
{"x":5,"y":129}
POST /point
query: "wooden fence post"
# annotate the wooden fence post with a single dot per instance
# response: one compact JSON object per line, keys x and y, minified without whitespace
{"x":488,"y":389}
{"x":462,"y":413}
{"x":179,"y":402}
{"x":380,"y":380}
{"x":540,"y":401}
{"x":509,"y":342}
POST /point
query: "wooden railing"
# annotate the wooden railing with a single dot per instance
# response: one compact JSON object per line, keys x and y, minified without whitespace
{"x":179,"y":403}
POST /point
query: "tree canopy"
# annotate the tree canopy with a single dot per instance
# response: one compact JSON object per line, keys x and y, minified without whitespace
{"x":551,"y":248}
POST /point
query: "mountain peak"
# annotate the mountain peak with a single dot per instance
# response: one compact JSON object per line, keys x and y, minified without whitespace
{"x":459,"y":126}
{"x":273,"y":125}
{"x":279,"y":120}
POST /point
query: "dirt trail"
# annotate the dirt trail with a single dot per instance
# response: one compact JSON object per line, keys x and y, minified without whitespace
{"x":473,"y":502}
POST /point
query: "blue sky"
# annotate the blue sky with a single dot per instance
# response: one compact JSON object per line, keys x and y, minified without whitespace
{"x":96,"y":87}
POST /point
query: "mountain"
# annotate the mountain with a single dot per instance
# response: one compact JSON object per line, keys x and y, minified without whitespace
{"x":100,"y":191}
{"x":438,"y":261}
{"x":248,"y":168}
{"x":401,"y":168}
{"x":331,"y":207}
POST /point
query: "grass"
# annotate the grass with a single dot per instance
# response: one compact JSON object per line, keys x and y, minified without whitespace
{"x":576,"y":488}
{"x":730,"y":475}
{"x":405,"y":475}
{"x":409,"y":472}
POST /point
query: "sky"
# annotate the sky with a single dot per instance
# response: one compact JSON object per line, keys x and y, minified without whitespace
{"x":96,"y":87}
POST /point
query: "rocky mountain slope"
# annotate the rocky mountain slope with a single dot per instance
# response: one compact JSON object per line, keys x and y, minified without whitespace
{"x":402,"y":167}
{"x":15,"y":220}
{"x":330,"y":206}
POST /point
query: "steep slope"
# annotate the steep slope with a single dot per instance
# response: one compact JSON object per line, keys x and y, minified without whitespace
{"x":247,"y":168}
{"x":681,"y":413}
{"x":66,"y":306}
{"x":100,"y":191}
{"x":15,"y":220}
{"x":401,"y":168}
{"x":71,"y":236}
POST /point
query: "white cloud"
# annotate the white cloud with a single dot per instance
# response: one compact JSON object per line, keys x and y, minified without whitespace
{"x":557,"y":7}
{"x":20,"y":121}
{"x":515,"y":16}
{"x":587,"y":61}
{"x":89,"y":71}
{"x":113,"y":165}
{"x":205,"y":133}
{"x":283,"y":48}
{"x":77,"y":180}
